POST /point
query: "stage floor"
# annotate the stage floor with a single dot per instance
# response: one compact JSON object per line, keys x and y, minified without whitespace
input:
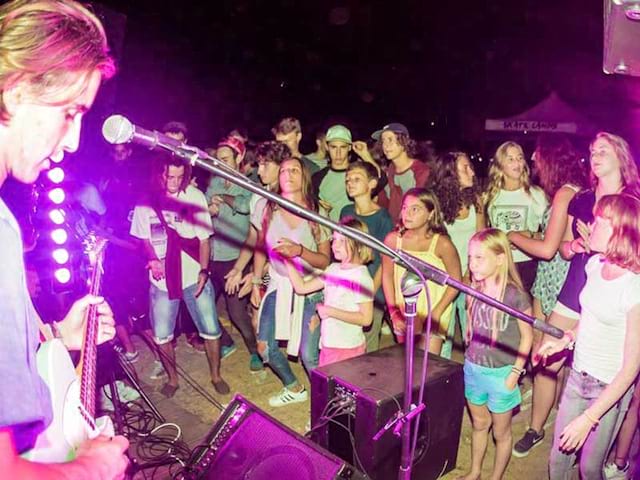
{"x":195,"y":414}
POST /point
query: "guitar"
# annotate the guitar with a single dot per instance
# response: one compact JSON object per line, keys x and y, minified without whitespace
{"x":72,"y":396}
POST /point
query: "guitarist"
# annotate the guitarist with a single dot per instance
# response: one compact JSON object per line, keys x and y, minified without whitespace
{"x":53,"y":56}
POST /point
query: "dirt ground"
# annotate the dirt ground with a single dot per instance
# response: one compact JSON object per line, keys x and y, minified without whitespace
{"x":195,"y":414}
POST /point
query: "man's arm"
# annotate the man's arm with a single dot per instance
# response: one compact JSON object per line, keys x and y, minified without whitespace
{"x":102,"y":458}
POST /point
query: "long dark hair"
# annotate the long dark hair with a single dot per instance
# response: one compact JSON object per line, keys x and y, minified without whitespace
{"x":557,"y":163}
{"x":445,"y":184}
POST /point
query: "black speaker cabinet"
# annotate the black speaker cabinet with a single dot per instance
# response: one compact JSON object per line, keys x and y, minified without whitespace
{"x":373,"y":383}
{"x":247,"y":443}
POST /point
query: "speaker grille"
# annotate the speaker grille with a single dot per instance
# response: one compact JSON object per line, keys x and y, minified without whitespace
{"x":249,"y":444}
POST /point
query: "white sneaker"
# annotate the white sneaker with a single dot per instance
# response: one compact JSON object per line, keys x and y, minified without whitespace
{"x":157,"y":371}
{"x":612,"y":472}
{"x":286,"y":396}
{"x":127,"y":393}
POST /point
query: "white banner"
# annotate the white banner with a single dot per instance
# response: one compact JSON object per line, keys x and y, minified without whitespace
{"x":529,"y":126}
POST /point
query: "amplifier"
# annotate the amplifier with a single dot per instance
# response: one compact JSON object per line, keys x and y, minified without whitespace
{"x":247,"y":443}
{"x":365,"y":392}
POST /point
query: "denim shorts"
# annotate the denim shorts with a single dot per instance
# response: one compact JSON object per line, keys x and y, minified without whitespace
{"x":485,"y":386}
{"x":202,"y":310}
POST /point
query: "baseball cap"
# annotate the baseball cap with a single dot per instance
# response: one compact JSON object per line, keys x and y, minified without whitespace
{"x":234,"y":143}
{"x":392,"y":127}
{"x":175,"y":127}
{"x":340,"y":133}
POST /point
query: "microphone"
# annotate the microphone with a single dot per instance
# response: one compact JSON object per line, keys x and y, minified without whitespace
{"x":118,"y":129}
{"x":411,"y":286}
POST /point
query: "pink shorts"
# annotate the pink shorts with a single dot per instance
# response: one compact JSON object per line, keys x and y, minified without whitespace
{"x":333,"y":355}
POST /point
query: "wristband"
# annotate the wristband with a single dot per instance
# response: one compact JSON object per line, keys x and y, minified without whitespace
{"x":255,"y":280}
{"x":301,"y":250}
{"x":519,"y":371}
{"x":205,"y":271}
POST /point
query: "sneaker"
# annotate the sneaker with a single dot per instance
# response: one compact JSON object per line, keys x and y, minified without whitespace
{"x":126,"y":393}
{"x":530,"y":439}
{"x":613,"y":472}
{"x":286,"y":396}
{"x":226,"y":351}
{"x":131,"y":357}
{"x":255,"y":363}
{"x":157,"y":371}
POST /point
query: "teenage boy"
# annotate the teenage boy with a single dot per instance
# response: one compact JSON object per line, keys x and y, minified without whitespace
{"x":404,"y":171}
{"x":329,"y":183}
{"x":361,"y":182}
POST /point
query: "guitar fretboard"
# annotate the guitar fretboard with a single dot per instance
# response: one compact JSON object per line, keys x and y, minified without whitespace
{"x":90,"y":349}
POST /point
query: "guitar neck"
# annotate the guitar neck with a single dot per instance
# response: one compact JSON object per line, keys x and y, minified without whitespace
{"x":90,"y":345}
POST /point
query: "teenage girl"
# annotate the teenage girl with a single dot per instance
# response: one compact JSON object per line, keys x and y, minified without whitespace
{"x":513,"y":203}
{"x":606,"y":357}
{"x":421,"y":233}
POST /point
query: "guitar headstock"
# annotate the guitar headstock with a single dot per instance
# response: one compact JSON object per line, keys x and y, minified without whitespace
{"x":94,"y":248}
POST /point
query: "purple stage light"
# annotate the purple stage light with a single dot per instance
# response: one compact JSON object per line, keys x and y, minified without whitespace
{"x":57,"y":195}
{"x":59,"y":236}
{"x":56,"y":175}
{"x":57,"y":216}
{"x":62,"y":275}
{"x":60,"y":255}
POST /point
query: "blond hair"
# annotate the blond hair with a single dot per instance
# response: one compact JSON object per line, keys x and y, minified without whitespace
{"x":628,"y":167}
{"x":496,"y":173}
{"x":623,"y":211}
{"x":47,"y":44}
{"x":355,"y":248}
{"x":497,"y":242}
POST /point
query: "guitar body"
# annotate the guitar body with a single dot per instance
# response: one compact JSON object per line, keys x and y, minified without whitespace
{"x":68,"y":429}
{"x":72,"y":398}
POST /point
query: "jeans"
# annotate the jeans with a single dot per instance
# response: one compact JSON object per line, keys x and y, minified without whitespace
{"x":202,"y":309}
{"x":236,"y":306}
{"x":309,"y":343}
{"x":581,"y":391}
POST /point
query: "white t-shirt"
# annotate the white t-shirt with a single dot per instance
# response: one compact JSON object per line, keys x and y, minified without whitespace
{"x":460,"y":232}
{"x":599,"y":346}
{"x":344,"y":288}
{"x":188,"y":214}
{"x":515,"y":210}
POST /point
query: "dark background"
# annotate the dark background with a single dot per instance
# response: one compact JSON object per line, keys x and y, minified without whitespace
{"x":439,"y":67}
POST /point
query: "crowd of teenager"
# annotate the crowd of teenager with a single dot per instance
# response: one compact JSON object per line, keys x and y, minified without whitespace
{"x":558,"y":241}
{"x":563,"y":247}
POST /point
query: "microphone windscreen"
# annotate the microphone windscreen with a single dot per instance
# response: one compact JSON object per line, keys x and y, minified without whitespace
{"x":117,"y":129}
{"x":411,"y":285}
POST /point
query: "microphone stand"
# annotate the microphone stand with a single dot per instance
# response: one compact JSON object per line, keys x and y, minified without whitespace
{"x":422,"y":269}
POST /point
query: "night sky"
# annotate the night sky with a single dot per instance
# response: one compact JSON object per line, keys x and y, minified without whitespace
{"x":243,"y":63}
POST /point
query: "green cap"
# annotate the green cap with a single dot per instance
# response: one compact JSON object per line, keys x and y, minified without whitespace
{"x":339,"y":133}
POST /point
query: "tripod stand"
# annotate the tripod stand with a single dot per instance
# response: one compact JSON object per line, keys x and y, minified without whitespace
{"x":118,"y":417}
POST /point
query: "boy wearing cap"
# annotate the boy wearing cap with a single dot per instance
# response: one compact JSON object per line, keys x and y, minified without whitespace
{"x":229,"y":209}
{"x":403,"y":172}
{"x":329,"y":183}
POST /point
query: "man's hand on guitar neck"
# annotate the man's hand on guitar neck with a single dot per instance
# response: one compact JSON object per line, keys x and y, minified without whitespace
{"x":72,"y":327}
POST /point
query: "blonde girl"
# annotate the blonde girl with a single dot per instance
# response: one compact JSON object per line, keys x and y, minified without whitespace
{"x":498,"y":346}
{"x":421,"y":232}
{"x":348,"y":296}
{"x":514,"y":204}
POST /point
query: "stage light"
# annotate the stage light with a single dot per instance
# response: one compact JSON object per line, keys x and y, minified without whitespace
{"x":60,"y":255}
{"x":57,"y":195}
{"x":57,"y":216}
{"x":56,"y":175}
{"x":62,"y":275}
{"x":59,"y":236}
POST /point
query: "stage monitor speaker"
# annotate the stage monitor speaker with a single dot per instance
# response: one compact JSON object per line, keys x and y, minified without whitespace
{"x":247,"y":443}
{"x":362,"y":394}
{"x":621,"y":37}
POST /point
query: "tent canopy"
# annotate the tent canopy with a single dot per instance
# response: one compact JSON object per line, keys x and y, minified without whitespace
{"x":551,"y":115}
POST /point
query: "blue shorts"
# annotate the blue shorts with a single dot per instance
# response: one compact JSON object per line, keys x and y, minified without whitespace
{"x":485,"y":386}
